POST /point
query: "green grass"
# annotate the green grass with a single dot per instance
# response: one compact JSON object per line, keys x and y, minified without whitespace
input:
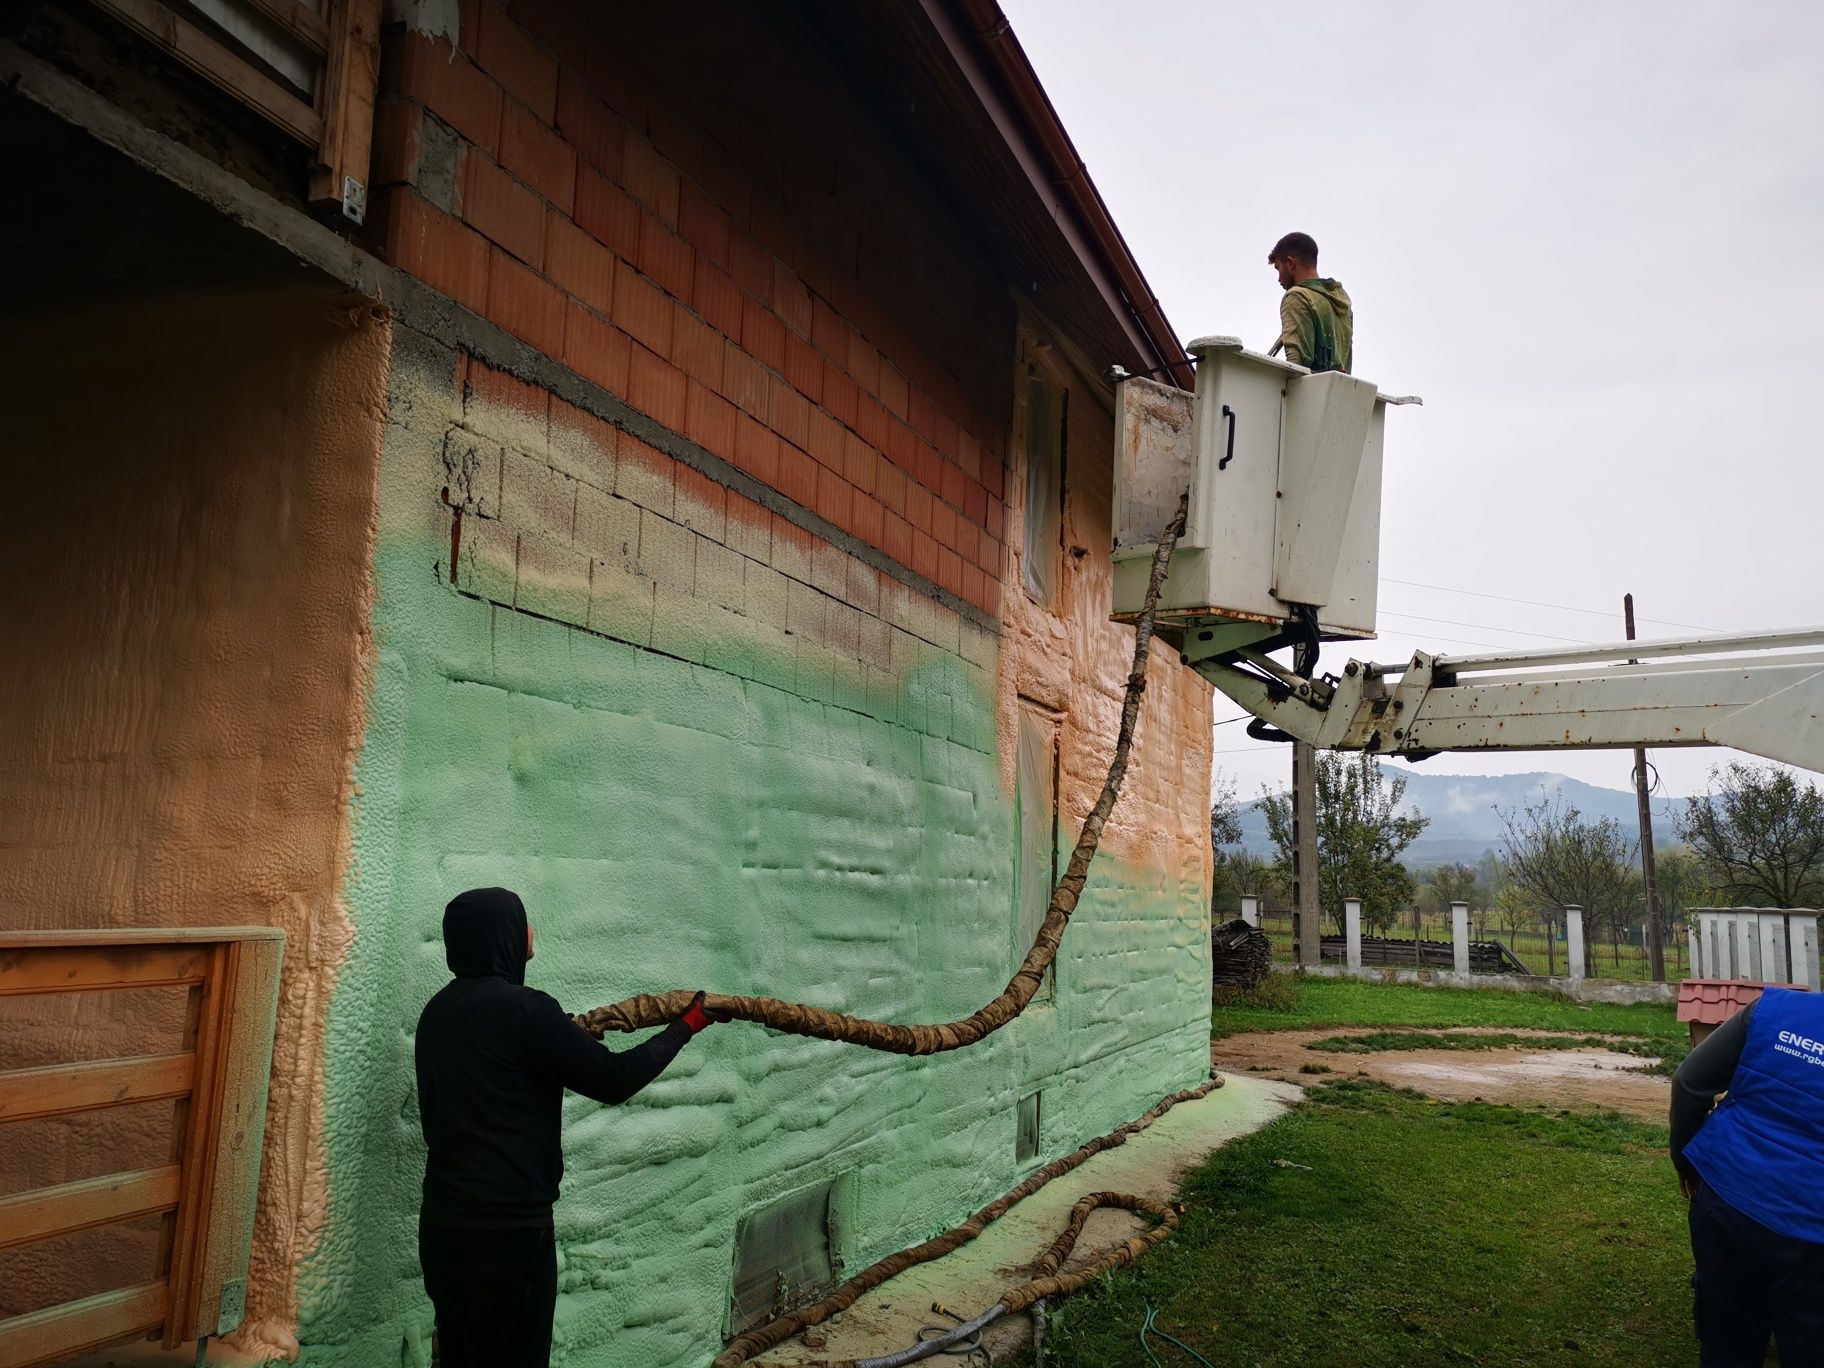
{"x":1288,"y":1002}
{"x":1374,"y":1042}
{"x":1424,"y":1233}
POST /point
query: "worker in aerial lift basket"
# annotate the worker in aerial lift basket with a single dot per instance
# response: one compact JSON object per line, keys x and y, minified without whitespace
{"x":1753,"y":1170}
{"x":493,"y":1059}
{"x":1316,"y":322}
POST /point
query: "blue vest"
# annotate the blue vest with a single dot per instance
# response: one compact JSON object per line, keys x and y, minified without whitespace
{"x":1762,"y":1149}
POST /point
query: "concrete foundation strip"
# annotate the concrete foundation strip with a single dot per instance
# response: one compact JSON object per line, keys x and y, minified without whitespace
{"x":658,"y":1009}
{"x":1049,"y":1283}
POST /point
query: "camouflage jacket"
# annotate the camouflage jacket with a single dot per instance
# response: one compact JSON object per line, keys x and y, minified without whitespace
{"x":1317,"y":325}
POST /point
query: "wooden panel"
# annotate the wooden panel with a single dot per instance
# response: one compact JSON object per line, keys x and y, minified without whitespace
{"x":193,"y":1146}
{"x":60,"y":1331}
{"x":62,"y":969}
{"x":138,"y":935}
{"x":57,"y":1089}
{"x":241,"y":1125}
{"x":210,"y":60}
{"x":303,"y":24}
{"x":45,"y":1212}
{"x":351,"y":85}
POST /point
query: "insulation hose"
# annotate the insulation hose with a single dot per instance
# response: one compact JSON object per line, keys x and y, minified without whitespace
{"x":1049,"y":1283}
{"x":659,"y":1009}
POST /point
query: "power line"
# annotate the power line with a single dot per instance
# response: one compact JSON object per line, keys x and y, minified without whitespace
{"x":1489,"y":627}
{"x":1536,"y":603}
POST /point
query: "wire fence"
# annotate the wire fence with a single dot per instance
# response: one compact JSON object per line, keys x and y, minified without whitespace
{"x":1627,"y":959}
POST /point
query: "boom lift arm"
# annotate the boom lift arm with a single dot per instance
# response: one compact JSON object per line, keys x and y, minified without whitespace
{"x":1762,"y":693}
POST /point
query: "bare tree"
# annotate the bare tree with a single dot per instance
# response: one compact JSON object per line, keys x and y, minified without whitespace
{"x":1759,"y":836}
{"x":1566,"y":860}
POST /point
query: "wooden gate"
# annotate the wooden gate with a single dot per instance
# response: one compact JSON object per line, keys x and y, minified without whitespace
{"x":216,"y":1081}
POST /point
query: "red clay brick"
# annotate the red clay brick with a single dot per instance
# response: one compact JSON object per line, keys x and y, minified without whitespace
{"x":792,"y":298}
{"x":615,"y":72}
{"x":503,"y":210}
{"x":657,"y":388}
{"x":896,"y":537}
{"x":788,"y":411}
{"x":833,"y":497}
{"x":559,"y":26}
{"x":928,"y":467}
{"x":864,"y":363}
{"x":703,"y":224}
{"x":449,"y":85}
{"x":646,"y":469}
{"x":901,"y":447}
{"x":872,"y":421}
{"x":696,"y":348}
{"x":950,"y":570}
{"x":996,"y":521}
{"x":826,"y":441}
{"x":829,"y":333}
{"x":468,"y":22}
{"x":651,"y":179}
{"x":793,"y":541}
{"x":598,"y":136}
{"x":994,"y":475}
{"x":751,"y":265}
{"x":509,"y":55}
{"x":943,"y":525}
{"x":892,"y":491}
{"x":642,"y":311}
{"x":922,"y":415}
{"x":762,"y":334}
{"x":666,"y":257}
{"x":696,"y":491}
{"x":607,"y":214}
{"x":987,"y":551}
{"x":945,"y":440}
{"x":991,"y":598}
{"x":919,"y":506}
{"x":423,"y":241}
{"x":954,"y":485}
{"x":597,"y":349}
{"x":797,"y":480}
{"x":969,"y":454}
{"x":974,"y":585}
{"x":894,"y":391}
{"x":858,"y":463}
{"x":869,"y":517}
{"x":526,"y":304}
{"x":756,"y":450}
{"x":396,"y":127}
{"x":709,"y":419}
{"x":578,"y":264}
{"x":924,"y":555}
{"x":975,"y":503}
{"x":717,"y":297}
{"x":673,"y":126}
{"x":538,"y":156}
{"x":803,"y":367}
{"x":840,"y":395}
{"x":744,"y":381}
{"x":605,"y":437}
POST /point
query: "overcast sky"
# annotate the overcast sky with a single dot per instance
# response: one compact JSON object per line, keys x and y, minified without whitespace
{"x":1587,"y":233}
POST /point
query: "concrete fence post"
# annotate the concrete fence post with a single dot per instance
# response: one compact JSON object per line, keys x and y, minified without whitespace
{"x":1694,"y":960}
{"x":1772,"y":928}
{"x":1250,"y":909}
{"x":1802,"y":928}
{"x":1352,"y":932}
{"x":1573,"y":941}
{"x":1747,"y":947}
{"x":1459,"y":936}
{"x":1707,"y":946}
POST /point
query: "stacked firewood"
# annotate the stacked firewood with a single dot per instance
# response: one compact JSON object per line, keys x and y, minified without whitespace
{"x":1240,"y":955}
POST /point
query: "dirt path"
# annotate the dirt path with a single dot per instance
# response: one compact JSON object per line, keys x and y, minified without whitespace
{"x":1583,"y":1078}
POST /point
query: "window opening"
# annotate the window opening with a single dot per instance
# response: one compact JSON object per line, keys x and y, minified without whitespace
{"x":1026,"y":1130}
{"x":1044,"y":487}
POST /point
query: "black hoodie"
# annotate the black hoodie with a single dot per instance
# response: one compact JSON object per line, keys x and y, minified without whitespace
{"x":494,"y":1058}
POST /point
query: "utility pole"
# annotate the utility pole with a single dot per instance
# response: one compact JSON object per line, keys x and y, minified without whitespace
{"x":1309,"y":950}
{"x":1656,"y":941}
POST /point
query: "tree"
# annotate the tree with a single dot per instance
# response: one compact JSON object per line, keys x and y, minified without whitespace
{"x":1682,"y":886}
{"x":1565,"y":860}
{"x":1361,"y":835}
{"x":1759,"y":836}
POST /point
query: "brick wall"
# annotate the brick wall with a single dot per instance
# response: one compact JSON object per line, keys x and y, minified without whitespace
{"x":701,"y":218}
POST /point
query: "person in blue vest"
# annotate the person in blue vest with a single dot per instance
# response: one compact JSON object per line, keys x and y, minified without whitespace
{"x":1753,"y":1170}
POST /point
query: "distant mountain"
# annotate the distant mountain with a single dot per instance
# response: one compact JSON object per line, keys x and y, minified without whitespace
{"x":1462,"y":811}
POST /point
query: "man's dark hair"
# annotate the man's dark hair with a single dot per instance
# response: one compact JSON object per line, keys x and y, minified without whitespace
{"x":1299,"y":246}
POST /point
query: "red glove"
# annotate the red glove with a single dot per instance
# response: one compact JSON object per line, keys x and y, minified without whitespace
{"x":698,"y":1017}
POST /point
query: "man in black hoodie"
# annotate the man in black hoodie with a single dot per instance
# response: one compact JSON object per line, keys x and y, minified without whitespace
{"x":493,"y":1059}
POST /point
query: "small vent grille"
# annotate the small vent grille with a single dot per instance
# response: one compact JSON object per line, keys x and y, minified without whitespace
{"x":783,"y":1257}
